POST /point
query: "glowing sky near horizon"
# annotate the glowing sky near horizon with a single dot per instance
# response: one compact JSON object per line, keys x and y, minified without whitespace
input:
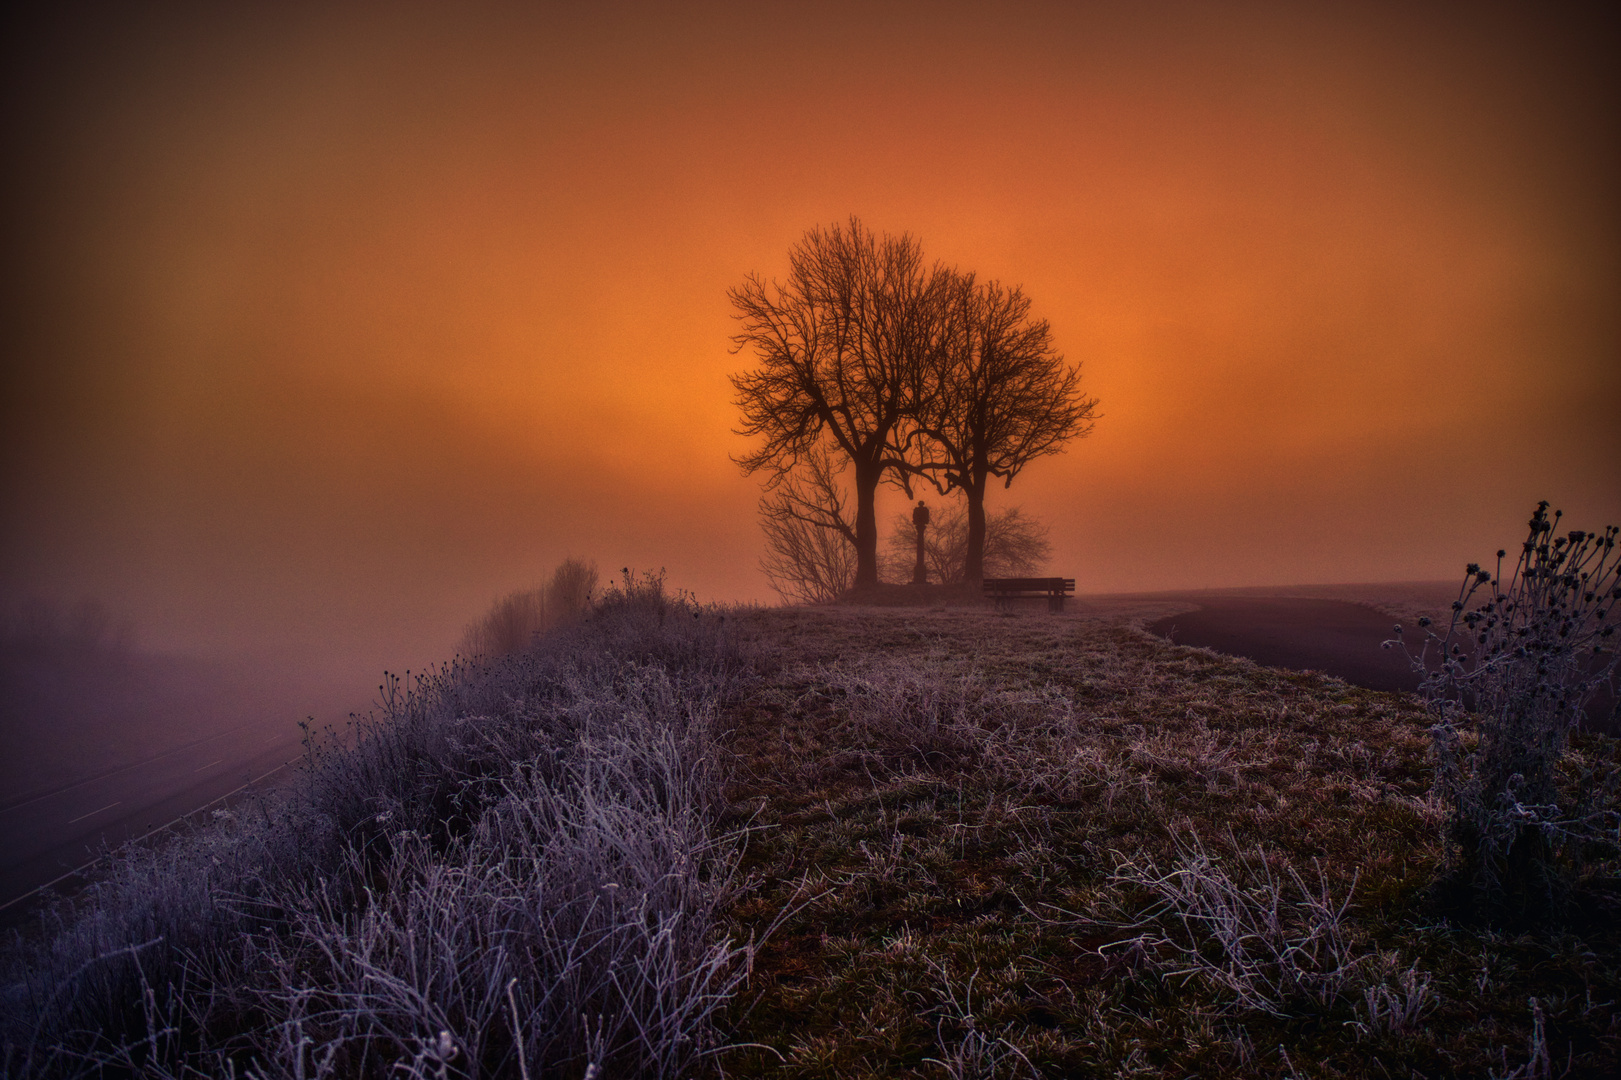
{"x":326,"y":325}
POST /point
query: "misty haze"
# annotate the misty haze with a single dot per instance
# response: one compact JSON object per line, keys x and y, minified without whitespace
{"x":972,"y":541}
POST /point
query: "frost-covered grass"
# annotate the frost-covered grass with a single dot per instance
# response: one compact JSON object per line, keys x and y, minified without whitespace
{"x":510,"y":869}
{"x":848,"y":842}
{"x":1058,"y":846}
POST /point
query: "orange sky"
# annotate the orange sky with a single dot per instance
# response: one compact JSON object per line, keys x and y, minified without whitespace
{"x":324,"y":327}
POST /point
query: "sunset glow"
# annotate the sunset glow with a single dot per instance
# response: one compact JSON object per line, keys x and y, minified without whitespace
{"x":329,"y":327}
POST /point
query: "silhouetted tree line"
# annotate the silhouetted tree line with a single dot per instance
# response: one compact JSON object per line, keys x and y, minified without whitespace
{"x":86,"y":625}
{"x":513,"y":621}
{"x":870,"y":361}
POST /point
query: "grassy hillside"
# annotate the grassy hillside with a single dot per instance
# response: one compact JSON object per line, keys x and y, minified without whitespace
{"x":509,"y":870}
{"x":835,"y":842}
{"x":1029,"y":845}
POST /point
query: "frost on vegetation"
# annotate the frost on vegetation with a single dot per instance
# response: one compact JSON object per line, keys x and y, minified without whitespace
{"x":1538,"y":1064}
{"x":1517,"y":671}
{"x":1194,"y":755}
{"x":940,"y":712}
{"x":1389,"y":1010}
{"x":508,"y":870}
{"x":1272,"y":942}
{"x":966,"y":1051}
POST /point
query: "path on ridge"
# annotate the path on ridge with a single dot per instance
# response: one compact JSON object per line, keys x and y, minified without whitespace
{"x":1332,"y":636}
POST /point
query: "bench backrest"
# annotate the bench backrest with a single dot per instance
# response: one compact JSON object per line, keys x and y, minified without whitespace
{"x":1029,"y":584}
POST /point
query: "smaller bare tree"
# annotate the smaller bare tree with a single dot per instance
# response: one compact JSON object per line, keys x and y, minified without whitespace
{"x":573,"y":582}
{"x":1015,"y":545}
{"x":1000,"y":395}
{"x":513,"y":621}
{"x":810,"y":553}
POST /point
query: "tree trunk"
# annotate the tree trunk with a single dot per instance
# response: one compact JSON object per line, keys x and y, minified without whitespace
{"x":974,"y":558}
{"x":867,"y":477}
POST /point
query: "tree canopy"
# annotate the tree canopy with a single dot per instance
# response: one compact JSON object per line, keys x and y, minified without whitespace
{"x":901,"y":371}
{"x":1000,"y":396}
{"x":841,"y":349}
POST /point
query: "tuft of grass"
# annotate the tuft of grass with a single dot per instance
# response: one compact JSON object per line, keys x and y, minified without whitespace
{"x":1274,"y":943}
{"x":1391,"y":1010}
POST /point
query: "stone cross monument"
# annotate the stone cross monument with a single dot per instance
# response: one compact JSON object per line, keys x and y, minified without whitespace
{"x":920,"y":520}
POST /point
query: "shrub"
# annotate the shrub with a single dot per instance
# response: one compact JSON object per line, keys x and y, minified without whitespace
{"x":1509,"y":679}
{"x":637,"y":620}
{"x":1015,"y":545}
{"x":87,"y":626}
{"x":513,"y":621}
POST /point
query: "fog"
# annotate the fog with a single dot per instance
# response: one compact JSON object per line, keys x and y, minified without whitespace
{"x":72,"y":711}
{"x":327,"y":325}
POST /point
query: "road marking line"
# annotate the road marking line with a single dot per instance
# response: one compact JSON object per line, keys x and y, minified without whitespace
{"x":6,"y":809}
{"x":143,"y":836}
{"x":93,"y":813}
{"x":210,"y":765}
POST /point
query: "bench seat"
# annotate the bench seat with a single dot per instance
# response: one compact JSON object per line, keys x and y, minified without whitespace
{"x":1006,"y":590}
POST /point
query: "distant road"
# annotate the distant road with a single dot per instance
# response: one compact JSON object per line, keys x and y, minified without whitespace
{"x":49,"y":835}
{"x":1331,"y":636}
{"x":102,"y":746}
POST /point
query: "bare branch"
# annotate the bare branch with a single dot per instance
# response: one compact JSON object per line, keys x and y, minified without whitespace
{"x":1015,"y":545}
{"x":840,"y":350}
{"x":810,"y":545}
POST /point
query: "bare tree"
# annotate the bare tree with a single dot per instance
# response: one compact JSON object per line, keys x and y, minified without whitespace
{"x":810,"y":546}
{"x":509,"y":625}
{"x":842,"y":350}
{"x":1015,"y":545}
{"x":999,"y":395}
{"x":513,"y":621}
{"x":573,"y":582}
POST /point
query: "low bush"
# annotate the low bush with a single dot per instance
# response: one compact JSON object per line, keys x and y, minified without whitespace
{"x":1270,"y":940}
{"x":1015,"y":545}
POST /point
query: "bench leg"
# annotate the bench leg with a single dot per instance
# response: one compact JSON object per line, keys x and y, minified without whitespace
{"x":1055,"y":603}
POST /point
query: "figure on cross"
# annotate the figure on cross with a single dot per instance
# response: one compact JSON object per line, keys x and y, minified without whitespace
{"x":920,"y":521}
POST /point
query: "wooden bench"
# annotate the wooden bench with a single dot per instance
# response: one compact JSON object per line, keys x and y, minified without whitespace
{"x":1006,"y":590}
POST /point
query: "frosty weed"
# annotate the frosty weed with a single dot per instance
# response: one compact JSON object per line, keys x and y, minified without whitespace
{"x":1520,"y":670}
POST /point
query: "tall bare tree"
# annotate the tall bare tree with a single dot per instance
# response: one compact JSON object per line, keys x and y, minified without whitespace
{"x":842,"y":349}
{"x":998,"y":395}
{"x":810,"y":555}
